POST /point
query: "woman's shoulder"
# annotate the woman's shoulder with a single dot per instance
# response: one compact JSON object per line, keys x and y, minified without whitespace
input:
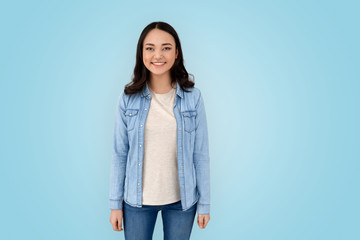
{"x":128,"y":100}
{"x":194,"y":91}
{"x":194,"y":94}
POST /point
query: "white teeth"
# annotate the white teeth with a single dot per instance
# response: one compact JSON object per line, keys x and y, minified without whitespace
{"x":158,"y":64}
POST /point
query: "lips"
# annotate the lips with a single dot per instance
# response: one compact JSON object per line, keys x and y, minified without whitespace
{"x":158,"y":63}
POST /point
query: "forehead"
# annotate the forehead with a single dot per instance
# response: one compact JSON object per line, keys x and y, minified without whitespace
{"x":158,"y":37}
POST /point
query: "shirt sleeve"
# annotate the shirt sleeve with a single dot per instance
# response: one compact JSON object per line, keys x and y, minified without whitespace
{"x":201,"y":158}
{"x":119,"y":156}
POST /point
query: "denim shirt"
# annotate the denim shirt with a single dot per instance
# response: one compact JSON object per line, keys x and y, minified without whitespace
{"x":192,"y":149}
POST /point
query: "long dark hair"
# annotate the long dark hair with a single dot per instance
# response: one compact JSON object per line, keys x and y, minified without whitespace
{"x":142,"y":74}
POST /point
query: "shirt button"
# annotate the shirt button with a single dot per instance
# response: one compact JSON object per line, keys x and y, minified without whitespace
{"x":139,"y":164}
{"x":130,"y":114}
{"x":138,"y":184}
{"x":140,"y":145}
{"x":145,"y":109}
{"x":141,"y":125}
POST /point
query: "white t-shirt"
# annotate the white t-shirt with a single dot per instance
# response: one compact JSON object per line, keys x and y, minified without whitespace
{"x":160,"y":168}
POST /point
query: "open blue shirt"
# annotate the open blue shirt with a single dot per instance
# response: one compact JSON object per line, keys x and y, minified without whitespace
{"x":192,"y":149}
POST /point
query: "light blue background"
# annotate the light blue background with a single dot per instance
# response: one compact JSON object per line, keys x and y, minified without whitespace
{"x":281,"y":85}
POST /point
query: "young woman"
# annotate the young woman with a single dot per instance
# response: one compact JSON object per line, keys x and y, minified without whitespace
{"x":160,"y":156}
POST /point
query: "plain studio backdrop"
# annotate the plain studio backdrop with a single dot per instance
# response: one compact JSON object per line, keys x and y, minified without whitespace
{"x":281,"y":85}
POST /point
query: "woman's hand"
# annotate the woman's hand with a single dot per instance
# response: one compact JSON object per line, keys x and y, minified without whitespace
{"x":203,"y":220}
{"x":116,"y":218}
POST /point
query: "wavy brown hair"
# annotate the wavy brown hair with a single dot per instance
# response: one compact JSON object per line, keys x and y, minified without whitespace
{"x":141,"y":73}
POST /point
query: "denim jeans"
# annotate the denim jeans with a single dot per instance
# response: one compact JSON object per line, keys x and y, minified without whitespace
{"x":139,"y":223}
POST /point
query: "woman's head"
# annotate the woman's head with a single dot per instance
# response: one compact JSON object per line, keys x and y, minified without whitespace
{"x":159,"y":52}
{"x":158,"y":42}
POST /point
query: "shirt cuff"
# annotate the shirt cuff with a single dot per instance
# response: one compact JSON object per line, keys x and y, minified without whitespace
{"x":203,"y":208}
{"x":115,"y":204}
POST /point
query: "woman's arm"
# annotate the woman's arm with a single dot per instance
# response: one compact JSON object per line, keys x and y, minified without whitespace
{"x":201,"y":158}
{"x":119,"y":156}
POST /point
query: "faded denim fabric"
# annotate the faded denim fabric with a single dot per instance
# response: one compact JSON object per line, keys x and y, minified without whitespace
{"x":192,"y":149}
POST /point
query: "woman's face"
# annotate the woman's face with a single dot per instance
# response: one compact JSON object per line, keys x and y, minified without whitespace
{"x":159,"y":51}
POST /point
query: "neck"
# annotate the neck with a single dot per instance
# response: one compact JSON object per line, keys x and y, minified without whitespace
{"x":160,"y":83}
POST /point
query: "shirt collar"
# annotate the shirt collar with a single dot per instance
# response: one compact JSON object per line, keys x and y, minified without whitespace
{"x":146,"y":93}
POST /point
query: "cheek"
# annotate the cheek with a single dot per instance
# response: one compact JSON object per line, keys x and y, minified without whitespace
{"x":146,"y":59}
{"x":172,"y":58}
{"x":145,"y":55}
{"x":173,"y":55}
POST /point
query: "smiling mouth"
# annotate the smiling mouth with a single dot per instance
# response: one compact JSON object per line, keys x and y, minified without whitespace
{"x":158,"y":63}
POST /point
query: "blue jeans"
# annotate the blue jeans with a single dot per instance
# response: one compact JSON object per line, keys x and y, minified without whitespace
{"x":139,"y":223}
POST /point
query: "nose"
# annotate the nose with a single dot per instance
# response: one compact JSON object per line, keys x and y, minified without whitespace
{"x":158,"y":55}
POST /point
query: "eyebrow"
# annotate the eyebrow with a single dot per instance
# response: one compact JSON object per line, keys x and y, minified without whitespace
{"x":151,"y":44}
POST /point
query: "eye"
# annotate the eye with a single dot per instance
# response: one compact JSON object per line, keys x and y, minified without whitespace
{"x":167,"y":48}
{"x":148,"y":48}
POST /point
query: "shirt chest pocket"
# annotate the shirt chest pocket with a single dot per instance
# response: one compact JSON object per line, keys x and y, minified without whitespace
{"x":189,"y":120}
{"x":131,"y":115}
